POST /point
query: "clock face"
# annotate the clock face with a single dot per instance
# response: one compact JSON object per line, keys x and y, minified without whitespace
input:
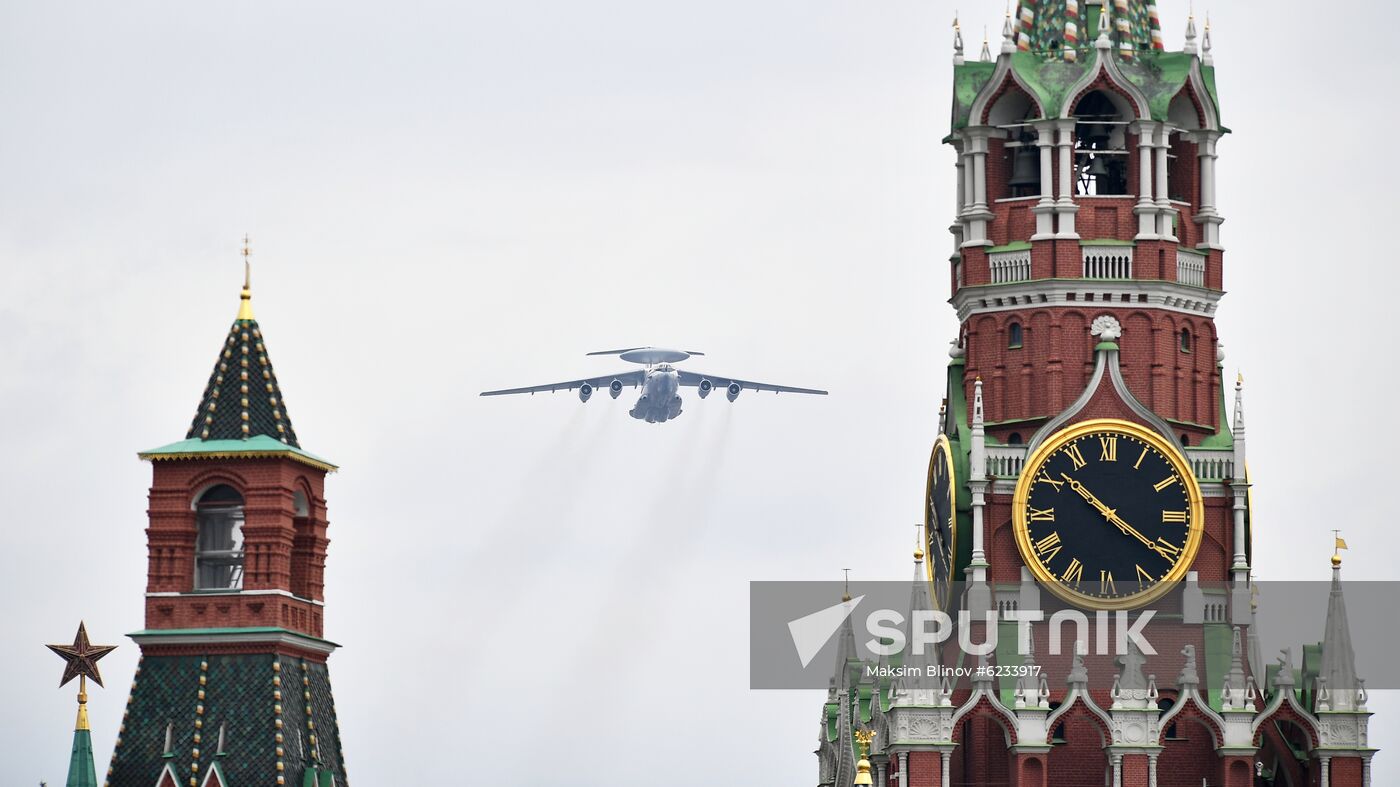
{"x":941,"y":523}
{"x":1108,"y":514}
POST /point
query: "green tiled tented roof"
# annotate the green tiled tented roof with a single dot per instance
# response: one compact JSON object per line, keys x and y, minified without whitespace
{"x":242,"y":399}
{"x":263,"y":715}
{"x":82,"y":772}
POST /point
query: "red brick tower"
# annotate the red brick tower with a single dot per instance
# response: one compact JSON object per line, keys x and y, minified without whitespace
{"x":232,"y":686}
{"x":1086,"y":461}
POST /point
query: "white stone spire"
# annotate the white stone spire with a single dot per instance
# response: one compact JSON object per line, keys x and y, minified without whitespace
{"x":1032,"y":691}
{"x":1240,"y":488}
{"x":1008,"y":34}
{"x":986,"y":54}
{"x":1342,"y":690}
{"x":1207,"y":59}
{"x":979,"y":595}
{"x":1104,"y":42}
{"x":1190,"y":47}
{"x":1238,"y":692}
{"x":957,"y":42}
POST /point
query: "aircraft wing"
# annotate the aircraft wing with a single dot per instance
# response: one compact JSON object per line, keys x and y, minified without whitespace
{"x":693,"y":379}
{"x":632,"y":378}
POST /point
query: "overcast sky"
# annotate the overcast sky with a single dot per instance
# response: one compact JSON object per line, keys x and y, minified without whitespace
{"x":454,"y":196}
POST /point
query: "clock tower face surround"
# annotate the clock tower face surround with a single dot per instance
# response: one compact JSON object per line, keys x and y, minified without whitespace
{"x":941,"y":523}
{"x":1108,"y":514}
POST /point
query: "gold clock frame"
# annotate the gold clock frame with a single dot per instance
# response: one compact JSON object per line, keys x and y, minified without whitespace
{"x":946,"y":446}
{"x":1173,"y":455}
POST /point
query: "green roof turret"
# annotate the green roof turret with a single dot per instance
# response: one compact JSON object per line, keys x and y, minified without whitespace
{"x":242,"y":399}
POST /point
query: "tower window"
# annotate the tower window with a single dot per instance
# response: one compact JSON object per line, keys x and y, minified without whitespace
{"x":1058,"y":735}
{"x":218,"y":556}
{"x":1186,"y":340}
{"x":1164,"y":705}
{"x":1014,"y":439}
{"x":1014,"y":335}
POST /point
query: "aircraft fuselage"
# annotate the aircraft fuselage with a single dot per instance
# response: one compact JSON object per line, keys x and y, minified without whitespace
{"x":658,"y":402}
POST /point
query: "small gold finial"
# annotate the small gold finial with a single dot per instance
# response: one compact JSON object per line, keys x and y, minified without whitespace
{"x":919,"y":541}
{"x":1337,"y":548}
{"x":864,"y":738}
{"x":82,"y":705}
{"x":1239,"y":378}
{"x":846,"y":594}
{"x":245,"y":306}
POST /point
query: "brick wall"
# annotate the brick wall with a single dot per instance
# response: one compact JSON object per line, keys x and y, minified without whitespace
{"x":285,"y":553}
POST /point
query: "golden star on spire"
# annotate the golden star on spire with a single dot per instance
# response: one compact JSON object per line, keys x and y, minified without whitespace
{"x":82,"y":657}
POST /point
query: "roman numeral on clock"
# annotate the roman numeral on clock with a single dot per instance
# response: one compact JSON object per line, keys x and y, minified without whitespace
{"x":1174,"y":516}
{"x":1168,"y":549}
{"x":1109,"y":446}
{"x":1047,"y":548}
{"x":1144,"y":578}
{"x":1074,"y":572}
{"x":1044,"y":478}
{"x":1164,"y":483}
{"x":1076,"y":456}
{"x":1042,"y":515}
{"x":1106,"y":586}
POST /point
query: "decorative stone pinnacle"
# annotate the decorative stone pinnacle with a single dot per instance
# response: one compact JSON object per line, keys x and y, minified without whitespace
{"x":1008,"y":34}
{"x":957,"y":41}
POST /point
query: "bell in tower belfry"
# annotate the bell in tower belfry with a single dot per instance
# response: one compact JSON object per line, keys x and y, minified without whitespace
{"x":1025,"y":171}
{"x":232,"y":687}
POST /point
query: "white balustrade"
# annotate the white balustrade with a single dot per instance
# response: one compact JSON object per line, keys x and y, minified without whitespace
{"x":1009,"y":266}
{"x":1108,"y":262}
{"x":1190,"y":268}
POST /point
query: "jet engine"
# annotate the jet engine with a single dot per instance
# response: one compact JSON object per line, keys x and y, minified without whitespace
{"x":704,"y":388}
{"x":733,"y":392}
{"x":615,"y":388}
{"x":584,"y":391}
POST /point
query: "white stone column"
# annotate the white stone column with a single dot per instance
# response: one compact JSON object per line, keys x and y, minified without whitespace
{"x":882,"y":776}
{"x":1117,"y":770}
{"x":904,"y":769}
{"x":957,"y":226}
{"x":943,"y":757}
{"x":1206,"y":214}
{"x":1165,"y":211}
{"x":1045,"y":209}
{"x":1146,"y":208}
{"x":1152,"y":770}
{"x":979,"y":595}
{"x":1326,"y":769}
{"x":977,"y":213}
{"x":1065,"y":204}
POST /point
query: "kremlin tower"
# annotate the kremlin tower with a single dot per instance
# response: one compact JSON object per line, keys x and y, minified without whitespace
{"x":1088,"y":458}
{"x":232,"y":687}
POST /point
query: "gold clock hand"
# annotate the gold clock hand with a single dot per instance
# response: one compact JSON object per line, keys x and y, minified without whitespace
{"x":1112,"y":516}
{"x":1084,"y":492}
{"x":1130,"y":530}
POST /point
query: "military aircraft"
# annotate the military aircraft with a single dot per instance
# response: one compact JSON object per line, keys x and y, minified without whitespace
{"x":659,"y":381}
